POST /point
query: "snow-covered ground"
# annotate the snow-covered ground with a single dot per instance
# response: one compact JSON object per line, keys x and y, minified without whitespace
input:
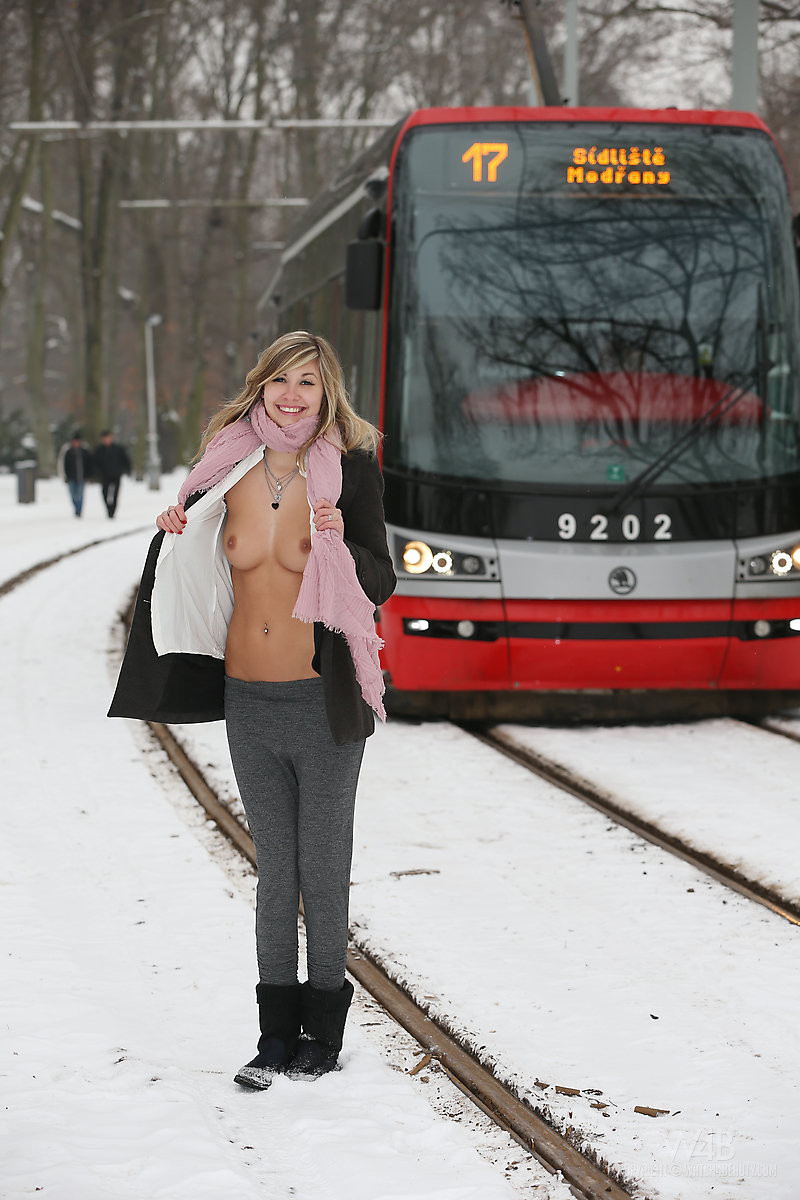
{"x":32,"y":533}
{"x":127,"y":998}
{"x":578,"y":956}
{"x":723,"y":786}
{"x":574,"y":954}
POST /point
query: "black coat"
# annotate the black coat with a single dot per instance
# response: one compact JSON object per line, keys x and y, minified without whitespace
{"x":177,"y":688}
{"x":111,"y":462}
{"x":78,"y":464}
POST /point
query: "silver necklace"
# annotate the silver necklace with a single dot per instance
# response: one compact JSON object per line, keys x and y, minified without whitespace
{"x":276,"y":483}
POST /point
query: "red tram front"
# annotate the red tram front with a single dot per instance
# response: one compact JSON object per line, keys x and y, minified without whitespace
{"x":588,"y":374}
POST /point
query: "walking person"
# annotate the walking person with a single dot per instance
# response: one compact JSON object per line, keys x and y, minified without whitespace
{"x":274,"y":558}
{"x":78,"y":467}
{"x":111,"y":462}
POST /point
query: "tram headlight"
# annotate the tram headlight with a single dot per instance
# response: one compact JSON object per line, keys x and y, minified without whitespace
{"x":417,"y":558}
{"x":774,"y":563}
{"x":781,"y":562}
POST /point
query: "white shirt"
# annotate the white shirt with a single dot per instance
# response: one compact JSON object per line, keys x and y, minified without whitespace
{"x":192,"y":599}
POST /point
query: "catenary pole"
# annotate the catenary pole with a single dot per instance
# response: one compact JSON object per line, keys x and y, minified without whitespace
{"x":744,"y":70}
{"x":541,"y":64}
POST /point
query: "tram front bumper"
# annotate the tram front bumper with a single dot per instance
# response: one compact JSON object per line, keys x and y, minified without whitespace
{"x":442,"y":645}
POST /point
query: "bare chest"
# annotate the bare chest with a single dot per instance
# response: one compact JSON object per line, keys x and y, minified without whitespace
{"x":262,"y":531}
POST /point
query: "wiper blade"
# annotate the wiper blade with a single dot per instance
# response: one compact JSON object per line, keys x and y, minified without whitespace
{"x":673,"y":452}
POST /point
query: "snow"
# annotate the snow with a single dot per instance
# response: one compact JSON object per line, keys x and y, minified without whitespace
{"x":33,"y":533}
{"x":566,"y":950}
{"x":723,"y":786}
{"x":577,"y":955}
{"x":127,"y":929}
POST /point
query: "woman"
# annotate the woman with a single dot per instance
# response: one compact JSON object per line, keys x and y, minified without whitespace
{"x":276,"y":560}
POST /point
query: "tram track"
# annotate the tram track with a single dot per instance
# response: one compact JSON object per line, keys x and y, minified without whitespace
{"x":768,"y":725}
{"x":557,"y":1152}
{"x":538,"y":764}
{"x":553,"y":1149}
{"x":564,"y":1153}
{"x":29,"y":572}
{"x":575,"y":1162}
{"x":575,"y":785}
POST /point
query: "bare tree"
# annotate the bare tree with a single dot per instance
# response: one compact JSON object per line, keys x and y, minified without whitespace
{"x":15,"y":178}
{"x":200,"y":267}
{"x":37,"y":329}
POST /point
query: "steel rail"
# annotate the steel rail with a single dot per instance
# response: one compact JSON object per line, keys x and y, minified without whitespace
{"x":765,"y":724}
{"x":15,"y":580}
{"x":586,"y":1178}
{"x":561,"y":777}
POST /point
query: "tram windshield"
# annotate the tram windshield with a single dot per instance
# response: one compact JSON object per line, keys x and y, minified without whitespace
{"x":569,"y":300}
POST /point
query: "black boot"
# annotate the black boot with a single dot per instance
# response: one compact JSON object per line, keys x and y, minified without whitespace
{"x":323,"y":1014}
{"x":279,"y":1021}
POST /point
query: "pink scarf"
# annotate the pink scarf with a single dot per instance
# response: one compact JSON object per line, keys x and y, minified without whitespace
{"x":330,"y":591}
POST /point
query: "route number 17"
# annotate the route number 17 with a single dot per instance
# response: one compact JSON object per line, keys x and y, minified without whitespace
{"x":494,"y":152}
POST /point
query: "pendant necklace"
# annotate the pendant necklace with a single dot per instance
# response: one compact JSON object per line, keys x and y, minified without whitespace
{"x":276,"y":483}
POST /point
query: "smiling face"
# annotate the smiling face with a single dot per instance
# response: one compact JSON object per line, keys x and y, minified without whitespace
{"x":294,"y":394}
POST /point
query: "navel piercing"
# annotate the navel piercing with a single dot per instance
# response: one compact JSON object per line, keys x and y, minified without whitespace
{"x":266,"y":628}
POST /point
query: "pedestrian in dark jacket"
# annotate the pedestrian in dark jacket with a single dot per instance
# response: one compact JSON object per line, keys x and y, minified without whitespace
{"x":273,"y":561}
{"x":111,"y":462}
{"x":78,"y":468}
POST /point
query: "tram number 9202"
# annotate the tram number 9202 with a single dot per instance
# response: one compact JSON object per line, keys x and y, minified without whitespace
{"x":630,"y":527}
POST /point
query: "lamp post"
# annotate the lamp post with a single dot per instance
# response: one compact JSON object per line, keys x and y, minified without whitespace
{"x":153,"y":457}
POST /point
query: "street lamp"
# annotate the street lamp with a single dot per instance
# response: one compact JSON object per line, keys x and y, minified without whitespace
{"x":153,"y":457}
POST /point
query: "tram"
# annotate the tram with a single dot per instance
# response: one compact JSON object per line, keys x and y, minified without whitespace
{"x":579,"y":331}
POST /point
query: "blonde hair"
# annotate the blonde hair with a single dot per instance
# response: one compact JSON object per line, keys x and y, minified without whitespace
{"x":286,"y":353}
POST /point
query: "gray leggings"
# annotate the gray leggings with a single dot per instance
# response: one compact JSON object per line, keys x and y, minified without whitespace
{"x":298,"y":789}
